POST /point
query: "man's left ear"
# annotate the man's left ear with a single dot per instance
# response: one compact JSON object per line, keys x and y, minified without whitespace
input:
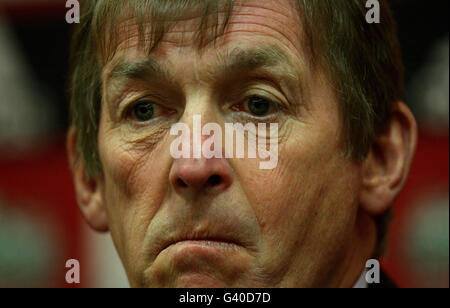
{"x":387,"y":165}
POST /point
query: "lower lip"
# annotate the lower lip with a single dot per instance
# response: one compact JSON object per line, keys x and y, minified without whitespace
{"x":197,"y":262}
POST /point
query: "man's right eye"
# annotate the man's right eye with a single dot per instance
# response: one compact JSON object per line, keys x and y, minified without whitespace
{"x":143,"y":111}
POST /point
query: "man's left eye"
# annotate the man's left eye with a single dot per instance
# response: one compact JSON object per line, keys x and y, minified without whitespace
{"x":258,"y":106}
{"x":144,"y":111}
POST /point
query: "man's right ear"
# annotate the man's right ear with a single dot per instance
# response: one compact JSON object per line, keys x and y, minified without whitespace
{"x":87,"y":189}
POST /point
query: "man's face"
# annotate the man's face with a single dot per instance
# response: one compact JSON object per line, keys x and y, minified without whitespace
{"x":224,"y":221}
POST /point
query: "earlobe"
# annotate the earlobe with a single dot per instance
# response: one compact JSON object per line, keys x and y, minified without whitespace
{"x":387,"y":165}
{"x":87,"y":189}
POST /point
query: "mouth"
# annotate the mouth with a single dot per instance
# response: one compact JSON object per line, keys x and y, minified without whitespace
{"x":201,"y":261}
{"x":218,"y":243}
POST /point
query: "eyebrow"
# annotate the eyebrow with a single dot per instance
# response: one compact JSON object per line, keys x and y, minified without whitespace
{"x":139,"y":70}
{"x":237,"y":60}
{"x":249,"y":59}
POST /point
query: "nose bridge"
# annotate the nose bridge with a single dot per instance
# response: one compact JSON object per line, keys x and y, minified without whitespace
{"x":200,"y":110}
{"x":199,"y":102}
{"x":197,"y":173}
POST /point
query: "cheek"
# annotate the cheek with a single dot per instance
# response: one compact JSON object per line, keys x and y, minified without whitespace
{"x":134,"y":163}
{"x":134,"y":186}
{"x":312,"y":190}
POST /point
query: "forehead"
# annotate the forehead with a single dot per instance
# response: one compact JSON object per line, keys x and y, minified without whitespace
{"x":251,"y":22}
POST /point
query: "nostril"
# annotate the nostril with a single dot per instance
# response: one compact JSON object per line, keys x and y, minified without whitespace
{"x":181,"y":183}
{"x":214,"y":180}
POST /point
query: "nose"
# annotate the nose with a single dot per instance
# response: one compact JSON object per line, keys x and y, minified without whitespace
{"x":204,"y":175}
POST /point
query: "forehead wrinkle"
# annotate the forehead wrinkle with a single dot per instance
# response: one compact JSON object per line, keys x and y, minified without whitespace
{"x":133,"y":33}
{"x":149,"y":24}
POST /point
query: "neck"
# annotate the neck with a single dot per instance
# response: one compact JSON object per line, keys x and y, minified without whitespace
{"x":360,"y":249}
